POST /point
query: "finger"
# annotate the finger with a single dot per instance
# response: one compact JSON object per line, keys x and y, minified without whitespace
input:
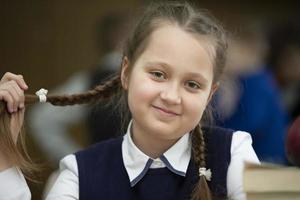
{"x":18,"y":78}
{"x":20,"y":95}
{"x":5,"y":96}
{"x":14,"y":97}
{"x":21,"y":82}
{"x":11,"y":88}
{"x":8,"y":76}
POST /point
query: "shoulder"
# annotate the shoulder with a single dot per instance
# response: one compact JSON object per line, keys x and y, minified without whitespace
{"x":13,"y":185}
{"x":69,"y":163}
{"x":241,"y":151}
{"x":218,"y":145}
{"x":239,"y":142}
{"x":240,"y":137}
{"x":218,"y":136}
{"x":103,"y":145}
{"x":100,"y":150}
{"x":237,"y":145}
{"x":63,"y":183}
{"x":241,"y":147}
{"x":217,"y":130}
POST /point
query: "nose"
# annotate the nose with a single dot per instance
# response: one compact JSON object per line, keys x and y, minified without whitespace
{"x":171,"y":94}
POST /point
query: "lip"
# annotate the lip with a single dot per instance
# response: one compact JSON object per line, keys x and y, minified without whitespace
{"x":169,"y":112}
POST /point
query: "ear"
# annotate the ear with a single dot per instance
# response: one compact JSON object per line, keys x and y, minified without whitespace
{"x":125,"y":72}
{"x":214,"y":88}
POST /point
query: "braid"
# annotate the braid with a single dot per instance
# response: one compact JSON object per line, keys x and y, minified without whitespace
{"x":201,"y":190}
{"x":198,"y":146}
{"x":18,"y":153}
{"x":202,"y":148}
{"x":100,"y":92}
{"x":196,"y":141}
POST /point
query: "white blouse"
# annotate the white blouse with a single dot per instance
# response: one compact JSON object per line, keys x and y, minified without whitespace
{"x":66,"y":184}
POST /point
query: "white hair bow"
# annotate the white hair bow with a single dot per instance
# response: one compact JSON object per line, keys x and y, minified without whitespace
{"x":205,"y":172}
{"x":42,"y":94}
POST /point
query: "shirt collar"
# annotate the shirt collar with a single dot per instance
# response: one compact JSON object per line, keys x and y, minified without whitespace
{"x":176,"y":158}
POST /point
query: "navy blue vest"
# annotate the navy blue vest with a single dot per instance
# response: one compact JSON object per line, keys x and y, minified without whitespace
{"x":102,"y":174}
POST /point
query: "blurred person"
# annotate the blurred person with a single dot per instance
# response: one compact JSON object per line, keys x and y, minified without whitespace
{"x":51,"y":125}
{"x":284,"y":61}
{"x":249,"y":99}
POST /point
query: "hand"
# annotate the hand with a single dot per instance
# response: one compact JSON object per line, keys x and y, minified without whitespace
{"x":12,"y":88}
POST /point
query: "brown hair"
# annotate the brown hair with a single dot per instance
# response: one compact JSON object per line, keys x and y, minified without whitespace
{"x":189,"y":18}
{"x":16,"y":153}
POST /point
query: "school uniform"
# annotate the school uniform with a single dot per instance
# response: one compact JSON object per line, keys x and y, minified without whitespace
{"x":117,"y":169}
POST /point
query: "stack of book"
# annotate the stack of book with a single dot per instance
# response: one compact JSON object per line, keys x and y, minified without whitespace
{"x":267,"y":181}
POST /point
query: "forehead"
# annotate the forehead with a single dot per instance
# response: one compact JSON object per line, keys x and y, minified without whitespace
{"x":181,"y":49}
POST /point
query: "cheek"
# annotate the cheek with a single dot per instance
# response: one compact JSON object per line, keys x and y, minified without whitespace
{"x":195,"y":107}
{"x":141,"y":91}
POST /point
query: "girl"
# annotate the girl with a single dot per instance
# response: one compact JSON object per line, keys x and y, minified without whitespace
{"x":170,"y":70}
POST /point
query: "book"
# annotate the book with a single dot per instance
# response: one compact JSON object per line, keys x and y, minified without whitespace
{"x":271,"y":182}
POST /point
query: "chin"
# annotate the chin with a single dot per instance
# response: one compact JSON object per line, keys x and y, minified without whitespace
{"x":166,"y":132}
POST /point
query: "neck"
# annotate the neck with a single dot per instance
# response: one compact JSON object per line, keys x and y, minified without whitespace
{"x":150,"y":145}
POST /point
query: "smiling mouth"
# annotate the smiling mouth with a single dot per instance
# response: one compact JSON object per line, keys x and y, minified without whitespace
{"x":166,"y":111}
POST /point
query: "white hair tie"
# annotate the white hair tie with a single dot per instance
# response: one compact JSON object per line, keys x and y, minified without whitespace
{"x":42,"y":94}
{"x":205,"y":172}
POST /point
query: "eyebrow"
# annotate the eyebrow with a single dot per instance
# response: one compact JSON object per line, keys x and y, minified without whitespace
{"x":167,"y":66}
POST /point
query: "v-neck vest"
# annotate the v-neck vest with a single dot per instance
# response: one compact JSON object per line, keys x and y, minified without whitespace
{"x":102,"y":174}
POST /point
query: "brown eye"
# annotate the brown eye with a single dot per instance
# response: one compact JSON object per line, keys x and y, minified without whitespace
{"x":158,"y":75}
{"x":193,"y":85}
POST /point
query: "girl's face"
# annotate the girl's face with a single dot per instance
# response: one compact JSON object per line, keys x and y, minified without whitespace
{"x":170,"y":83}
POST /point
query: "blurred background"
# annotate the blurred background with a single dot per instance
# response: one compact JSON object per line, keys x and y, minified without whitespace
{"x":68,"y":46}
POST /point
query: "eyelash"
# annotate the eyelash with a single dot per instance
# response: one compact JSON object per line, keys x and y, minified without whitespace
{"x":158,"y":75}
{"x":195,"y":85}
{"x":192,"y":85}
